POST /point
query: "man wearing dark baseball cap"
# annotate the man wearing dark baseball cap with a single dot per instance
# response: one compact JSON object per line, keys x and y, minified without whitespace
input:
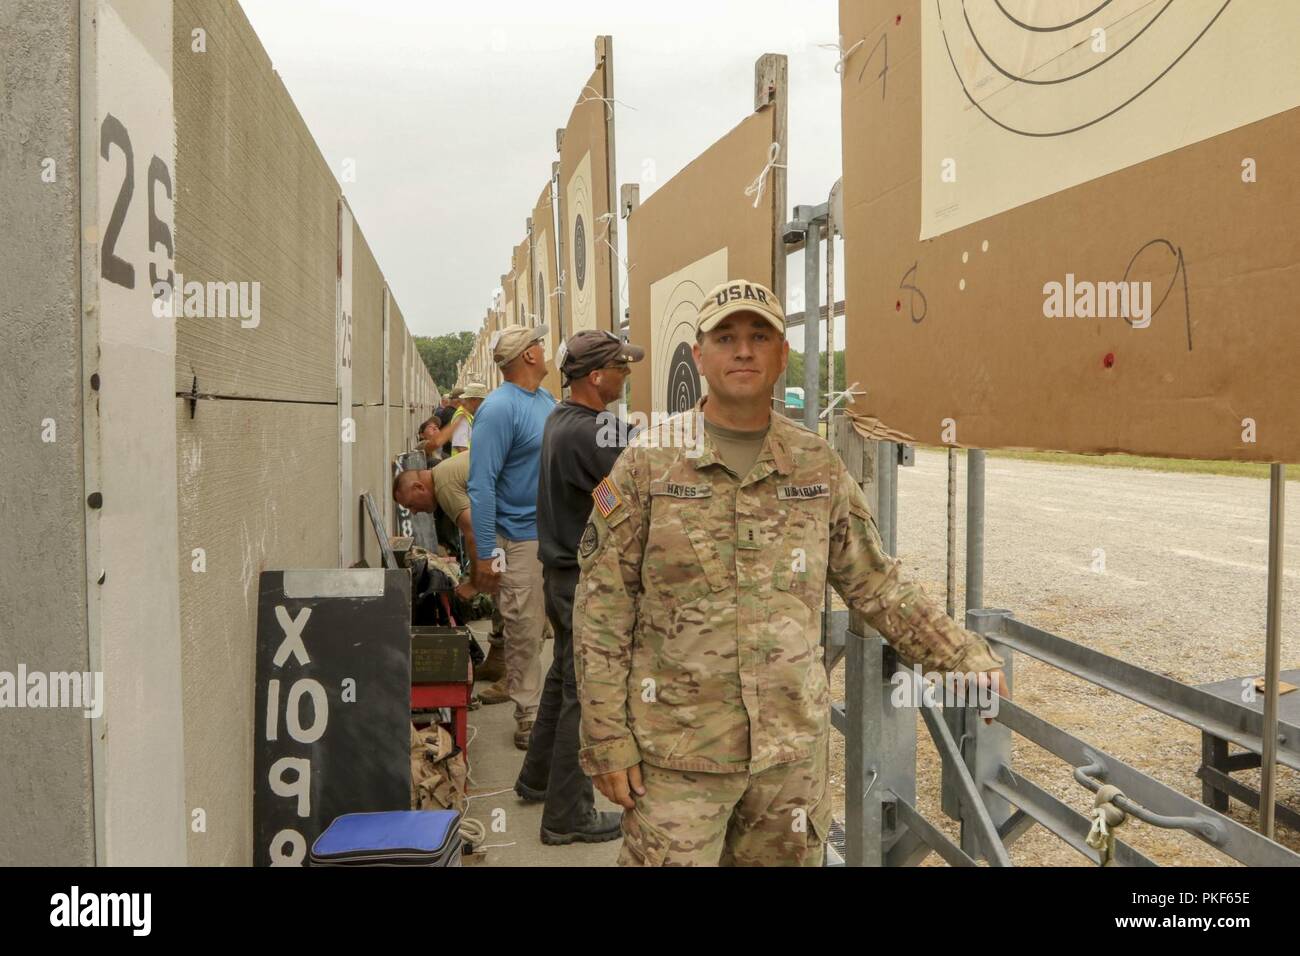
{"x":576,"y":456}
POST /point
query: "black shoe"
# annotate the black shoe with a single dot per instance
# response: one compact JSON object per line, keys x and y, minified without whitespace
{"x":528,"y":794}
{"x":605,"y":825}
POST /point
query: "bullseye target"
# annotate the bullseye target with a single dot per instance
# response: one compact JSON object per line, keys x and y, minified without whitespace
{"x":676,"y":384}
{"x":1022,"y":98}
{"x":1036,"y":69}
{"x":581,"y":247}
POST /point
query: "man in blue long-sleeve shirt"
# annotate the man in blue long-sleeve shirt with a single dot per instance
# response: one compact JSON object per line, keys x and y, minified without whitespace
{"x":503,"y":505}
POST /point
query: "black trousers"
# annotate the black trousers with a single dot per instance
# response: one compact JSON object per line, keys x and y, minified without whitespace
{"x":551,"y":763}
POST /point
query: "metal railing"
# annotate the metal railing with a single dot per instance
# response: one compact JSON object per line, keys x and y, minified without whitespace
{"x":980,"y":787}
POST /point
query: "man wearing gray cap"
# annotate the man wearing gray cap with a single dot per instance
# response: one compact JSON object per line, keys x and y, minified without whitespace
{"x":503,"y":506}
{"x":575,"y":458}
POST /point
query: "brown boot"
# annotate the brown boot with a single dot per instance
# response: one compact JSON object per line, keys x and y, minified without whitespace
{"x":492,"y":669}
{"x":495,"y":693}
{"x":523,"y":730}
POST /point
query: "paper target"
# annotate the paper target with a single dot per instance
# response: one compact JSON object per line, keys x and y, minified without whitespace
{"x":582,"y":251}
{"x":675,"y":300}
{"x":542,"y":292}
{"x":1072,"y":90}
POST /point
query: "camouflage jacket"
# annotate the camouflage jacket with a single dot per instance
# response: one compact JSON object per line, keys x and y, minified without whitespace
{"x":696,"y":619}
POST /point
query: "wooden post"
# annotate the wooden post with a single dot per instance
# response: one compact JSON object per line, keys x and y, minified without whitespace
{"x":605,"y":54}
{"x":629,"y":197}
{"x":562,"y":324}
{"x":771,"y":86}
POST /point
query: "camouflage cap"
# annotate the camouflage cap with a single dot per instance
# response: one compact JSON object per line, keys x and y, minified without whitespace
{"x":739,"y":295}
{"x":509,"y":343}
{"x":455,"y":392}
{"x":474,"y":390}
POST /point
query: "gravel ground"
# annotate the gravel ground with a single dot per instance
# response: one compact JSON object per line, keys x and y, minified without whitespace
{"x":1182,"y":593}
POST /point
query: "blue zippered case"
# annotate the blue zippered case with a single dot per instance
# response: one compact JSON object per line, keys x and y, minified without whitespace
{"x":391,"y":838}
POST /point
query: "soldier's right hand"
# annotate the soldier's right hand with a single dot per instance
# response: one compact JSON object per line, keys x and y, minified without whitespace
{"x":619,"y":785}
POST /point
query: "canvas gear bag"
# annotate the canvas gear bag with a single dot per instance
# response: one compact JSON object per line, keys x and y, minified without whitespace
{"x":439,"y":770}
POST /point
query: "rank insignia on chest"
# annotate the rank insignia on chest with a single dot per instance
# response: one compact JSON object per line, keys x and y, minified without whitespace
{"x":799,"y":492}
{"x":606,"y":499}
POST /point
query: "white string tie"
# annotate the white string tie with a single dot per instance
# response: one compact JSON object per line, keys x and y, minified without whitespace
{"x":609,"y":101}
{"x":759,"y":184}
{"x":844,"y":54}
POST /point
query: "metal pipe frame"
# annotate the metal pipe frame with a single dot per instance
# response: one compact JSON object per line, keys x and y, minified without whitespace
{"x":1234,"y":788}
{"x":1239,"y":842}
{"x":985,"y":830}
{"x":1272,"y":649}
{"x":974,"y":528}
{"x":812,"y":295}
{"x":888,"y":830}
{"x":1206,"y":828}
{"x":1222,"y":718}
{"x":1066,"y":823}
{"x":931,"y":836}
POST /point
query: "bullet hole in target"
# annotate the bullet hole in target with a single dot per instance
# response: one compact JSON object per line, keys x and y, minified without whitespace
{"x":1109,"y":360}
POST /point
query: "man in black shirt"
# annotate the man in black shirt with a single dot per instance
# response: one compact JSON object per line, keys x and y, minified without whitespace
{"x":577,"y":454}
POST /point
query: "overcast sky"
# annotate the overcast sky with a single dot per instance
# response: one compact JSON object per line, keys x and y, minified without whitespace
{"x":449,"y":111}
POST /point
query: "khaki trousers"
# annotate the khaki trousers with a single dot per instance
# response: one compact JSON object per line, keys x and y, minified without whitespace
{"x":523,"y":613}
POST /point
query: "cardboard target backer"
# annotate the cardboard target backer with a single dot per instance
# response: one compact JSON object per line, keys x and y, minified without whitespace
{"x":586,"y":208}
{"x":521,"y":281}
{"x":544,"y":283}
{"x":1114,"y":273}
{"x":509,"y":309}
{"x":697,"y":230}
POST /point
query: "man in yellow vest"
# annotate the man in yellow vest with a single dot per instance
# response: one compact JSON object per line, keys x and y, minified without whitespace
{"x":462,"y":423}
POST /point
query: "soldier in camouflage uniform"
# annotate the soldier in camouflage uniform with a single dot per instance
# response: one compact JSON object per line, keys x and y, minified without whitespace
{"x":705,"y":705}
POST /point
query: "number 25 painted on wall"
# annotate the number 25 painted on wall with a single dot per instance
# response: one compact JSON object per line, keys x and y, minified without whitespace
{"x":113,"y":267}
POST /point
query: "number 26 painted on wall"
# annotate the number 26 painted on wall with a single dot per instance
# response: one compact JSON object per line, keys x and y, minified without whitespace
{"x":112,"y":266}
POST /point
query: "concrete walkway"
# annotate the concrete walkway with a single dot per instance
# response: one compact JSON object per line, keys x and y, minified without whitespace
{"x":494,"y":766}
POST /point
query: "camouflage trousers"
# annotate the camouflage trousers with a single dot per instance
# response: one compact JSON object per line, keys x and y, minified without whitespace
{"x":779,"y":817}
{"x":523,"y":616}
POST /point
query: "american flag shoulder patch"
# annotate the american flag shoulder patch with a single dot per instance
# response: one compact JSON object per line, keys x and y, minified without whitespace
{"x":606,"y":498}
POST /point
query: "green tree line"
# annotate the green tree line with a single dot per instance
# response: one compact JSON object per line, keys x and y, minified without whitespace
{"x":794,"y":372}
{"x":442,"y":353}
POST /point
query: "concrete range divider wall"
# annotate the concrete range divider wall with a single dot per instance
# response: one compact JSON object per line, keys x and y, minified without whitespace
{"x":258,"y":467}
{"x":192,"y":452}
{"x":46,"y":798}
